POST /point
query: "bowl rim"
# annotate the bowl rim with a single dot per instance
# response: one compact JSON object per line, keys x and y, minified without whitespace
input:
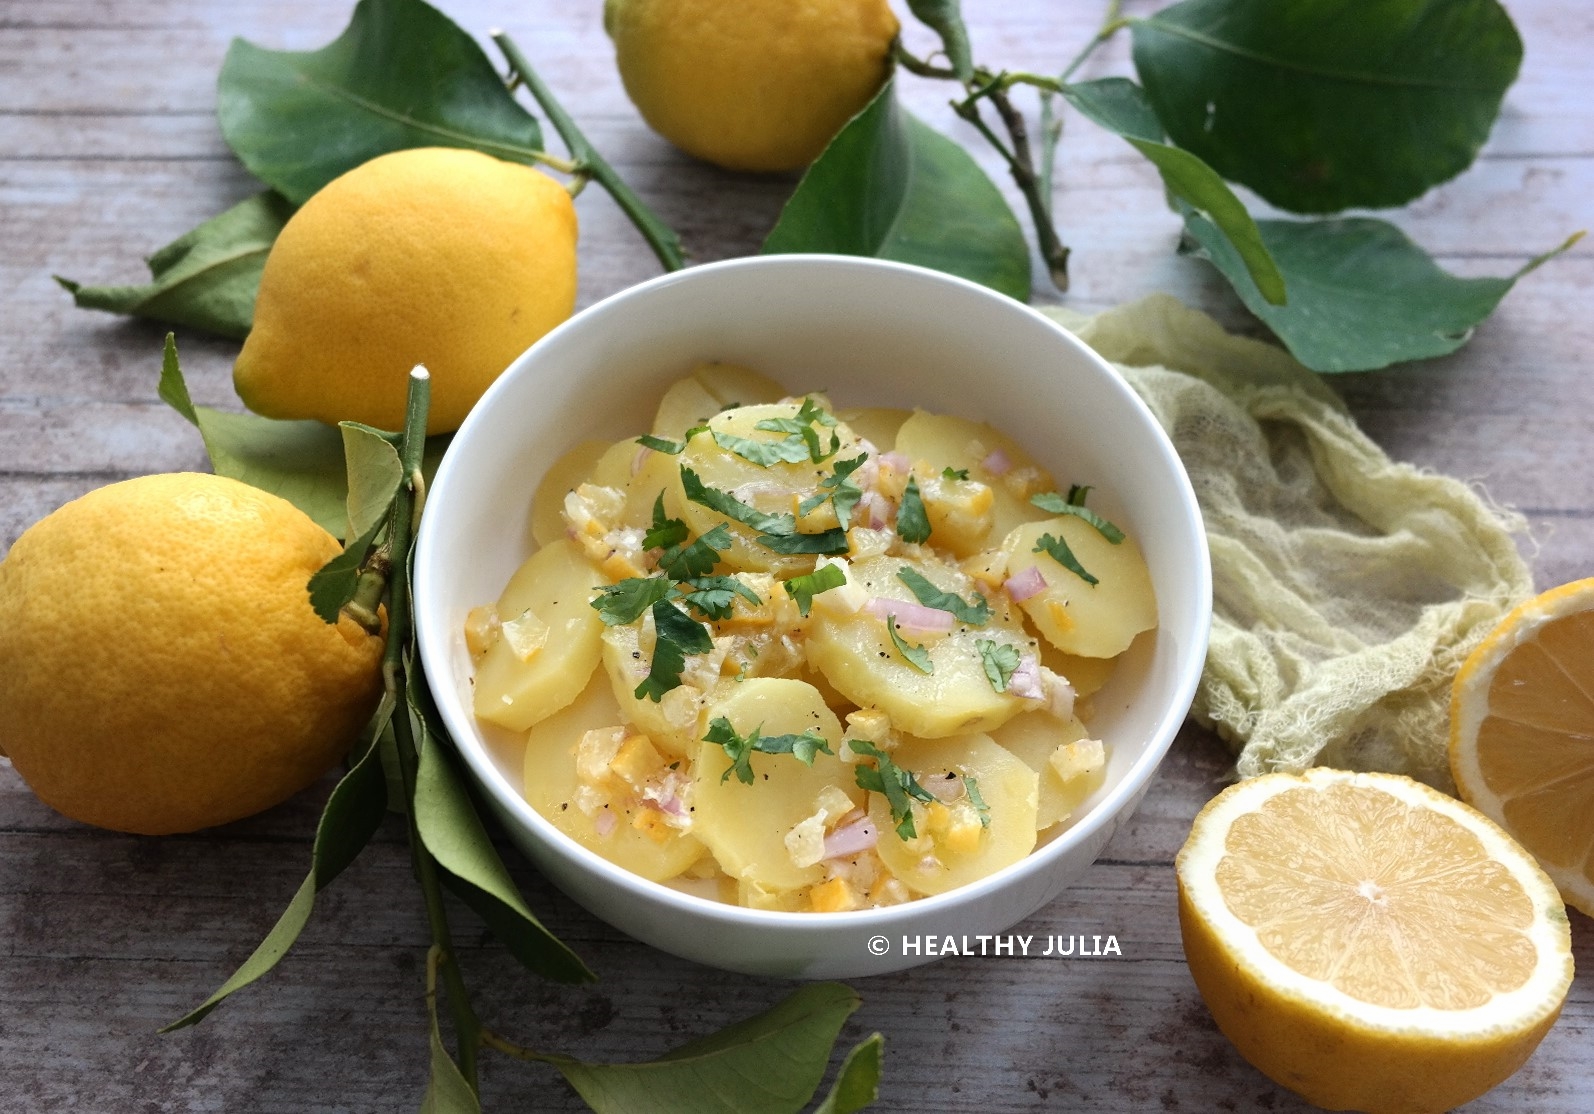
{"x":435,"y":651}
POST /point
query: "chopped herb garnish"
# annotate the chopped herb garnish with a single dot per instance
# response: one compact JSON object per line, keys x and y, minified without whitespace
{"x":891,"y":781}
{"x":665,"y":445}
{"x":714,"y":596}
{"x":790,"y":450}
{"x":950,"y":473}
{"x":801,"y":428}
{"x":913,"y":525}
{"x":1000,"y":660}
{"x":917,"y":656}
{"x":1051,"y":501}
{"x":664,"y":532}
{"x":803,"y":589}
{"x":733,"y":508}
{"x":1077,"y":493}
{"x":844,"y":494}
{"x":974,"y":614}
{"x":626,"y":600}
{"x":697,"y":559}
{"x":740,"y":748}
{"x":1059,"y":551}
{"x":972,"y":788}
{"x":777,"y":532}
{"x":677,"y":635}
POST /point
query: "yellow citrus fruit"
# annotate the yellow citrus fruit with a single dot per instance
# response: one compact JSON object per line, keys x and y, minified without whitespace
{"x":163,"y":669}
{"x":1369,"y":942}
{"x":751,"y":84}
{"x":434,"y":255}
{"x":1522,"y":733}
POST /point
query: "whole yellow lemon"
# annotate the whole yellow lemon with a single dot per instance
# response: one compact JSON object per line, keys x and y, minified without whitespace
{"x":751,"y":84}
{"x":433,"y":255}
{"x":161,"y":669}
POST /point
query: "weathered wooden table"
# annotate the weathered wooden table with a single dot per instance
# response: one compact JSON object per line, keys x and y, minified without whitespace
{"x":109,"y":148}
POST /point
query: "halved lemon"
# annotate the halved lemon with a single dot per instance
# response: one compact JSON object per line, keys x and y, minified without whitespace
{"x":1369,"y":942}
{"x":1522,"y":733}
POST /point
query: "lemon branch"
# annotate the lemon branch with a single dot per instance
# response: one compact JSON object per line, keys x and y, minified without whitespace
{"x":401,"y":526}
{"x":589,"y":164}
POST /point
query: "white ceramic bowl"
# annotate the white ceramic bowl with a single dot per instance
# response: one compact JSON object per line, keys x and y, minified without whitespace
{"x":870,"y":334}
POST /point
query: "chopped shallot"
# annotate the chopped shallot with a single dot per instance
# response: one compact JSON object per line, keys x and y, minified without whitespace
{"x":606,"y":822}
{"x":996,"y":462}
{"x":860,"y":835}
{"x":897,"y":462}
{"x":1025,"y":584}
{"x":1025,"y":683}
{"x":911,"y":618}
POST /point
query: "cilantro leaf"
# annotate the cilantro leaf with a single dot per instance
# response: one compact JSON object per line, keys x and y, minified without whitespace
{"x":827,"y":542}
{"x":951,"y":473}
{"x":803,"y":589}
{"x":801,"y":427}
{"x":972,"y":788}
{"x":740,"y":748}
{"x":913,"y":525}
{"x":665,"y":445}
{"x":1051,"y":501}
{"x":1000,"y":660}
{"x":697,"y":559}
{"x":791,"y":450}
{"x":777,"y":532}
{"x":678,"y":634}
{"x":891,"y":781}
{"x":626,"y":600}
{"x":844,"y":494}
{"x":714,"y":596}
{"x":733,"y":508}
{"x":917,"y":656}
{"x":976,"y":614}
{"x":1059,"y":551}
{"x":1077,"y":493}
{"x":664,"y":532}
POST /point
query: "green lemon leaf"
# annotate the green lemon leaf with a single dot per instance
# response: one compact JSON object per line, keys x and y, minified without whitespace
{"x":401,"y":75}
{"x":772,"y":1063}
{"x":857,"y":1085}
{"x":303,"y":462}
{"x":300,"y":461}
{"x":1329,"y":104}
{"x":374,"y":474}
{"x":207,"y":277}
{"x":1120,"y":106}
{"x":1362,"y":295}
{"x":447,"y":1090}
{"x":350,"y":818}
{"x":453,"y":834}
{"x":335,"y":583}
{"x":892,"y":187}
{"x":945,"y":18}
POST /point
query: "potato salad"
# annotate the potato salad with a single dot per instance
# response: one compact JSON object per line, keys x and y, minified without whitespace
{"x":808,"y":659}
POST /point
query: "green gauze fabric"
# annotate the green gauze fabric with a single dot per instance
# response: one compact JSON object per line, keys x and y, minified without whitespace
{"x":1347,"y":588}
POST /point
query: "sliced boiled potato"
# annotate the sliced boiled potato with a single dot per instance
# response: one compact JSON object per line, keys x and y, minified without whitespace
{"x":858,"y":656}
{"x":670,"y":722}
{"x":639,"y":472}
{"x":943,"y":441}
{"x":877,"y":425}
{"x":746,"y":825}
{"x":1035,"y":737}
{"x":963,"y":850}
{"x":568,"y":473}
{"x":733,"y":385}
{"x":1087,"y":675}
{"x":556,"y":585}
{"x":1092,"y":620}
{"x":635,"y":839}
{"x":685,"y":405}
{"x":776,"y":489}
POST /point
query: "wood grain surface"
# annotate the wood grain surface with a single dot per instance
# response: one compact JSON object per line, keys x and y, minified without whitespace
{"x":109,"y":148}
